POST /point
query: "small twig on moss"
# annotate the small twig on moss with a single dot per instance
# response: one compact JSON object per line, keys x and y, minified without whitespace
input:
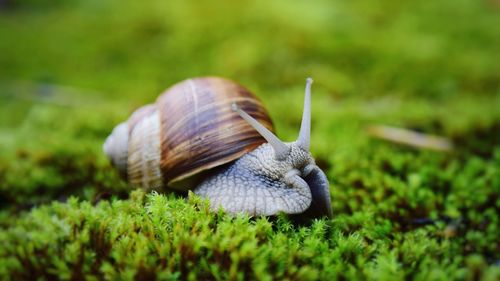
{"x":410,"y":138}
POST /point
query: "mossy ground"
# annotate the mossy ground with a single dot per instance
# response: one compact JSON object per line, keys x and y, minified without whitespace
{"x":71,"y":70}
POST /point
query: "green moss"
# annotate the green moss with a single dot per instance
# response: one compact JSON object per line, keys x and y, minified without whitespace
{"x":399,"y":213}
{"x":164,"y":237}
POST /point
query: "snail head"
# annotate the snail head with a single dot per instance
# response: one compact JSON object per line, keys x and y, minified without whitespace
{"x":295,"y":159}
{"x":281,"y":149}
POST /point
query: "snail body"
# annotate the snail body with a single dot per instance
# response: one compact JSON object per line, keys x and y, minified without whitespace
{"x":216,"y":132}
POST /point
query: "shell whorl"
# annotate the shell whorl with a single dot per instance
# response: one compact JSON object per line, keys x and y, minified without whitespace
{"x":144,"y":151}
{"x":116,"y":147}
{"x":190,"y":128}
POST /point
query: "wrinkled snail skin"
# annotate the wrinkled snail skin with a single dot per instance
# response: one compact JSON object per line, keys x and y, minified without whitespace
{"x":260,"y":185}
{"x":215,"y":126}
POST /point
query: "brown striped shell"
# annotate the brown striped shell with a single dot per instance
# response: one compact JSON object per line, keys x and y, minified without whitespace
{"x":189,"y":129}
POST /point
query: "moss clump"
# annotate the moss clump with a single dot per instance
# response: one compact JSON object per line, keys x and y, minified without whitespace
{"x":162,"y":237}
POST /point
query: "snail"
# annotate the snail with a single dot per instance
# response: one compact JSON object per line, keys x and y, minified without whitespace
{"x":215,"y":135}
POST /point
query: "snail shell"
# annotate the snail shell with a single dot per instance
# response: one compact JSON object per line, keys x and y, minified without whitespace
{"x":202,"y":123}
{"x":189,"y":129}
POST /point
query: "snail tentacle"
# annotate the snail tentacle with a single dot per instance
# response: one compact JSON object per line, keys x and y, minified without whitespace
{"x":281,"y":151}
{"x":304,"y":139}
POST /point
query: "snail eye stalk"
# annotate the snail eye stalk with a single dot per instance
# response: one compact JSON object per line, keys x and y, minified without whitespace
{"x":304,"y":139}
{"x":281,"y":151}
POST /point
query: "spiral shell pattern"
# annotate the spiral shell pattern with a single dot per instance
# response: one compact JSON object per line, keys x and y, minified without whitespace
{"x":191,"y":128}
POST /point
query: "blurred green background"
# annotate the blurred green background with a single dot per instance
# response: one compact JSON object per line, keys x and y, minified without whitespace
{"x":71,"y":70}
